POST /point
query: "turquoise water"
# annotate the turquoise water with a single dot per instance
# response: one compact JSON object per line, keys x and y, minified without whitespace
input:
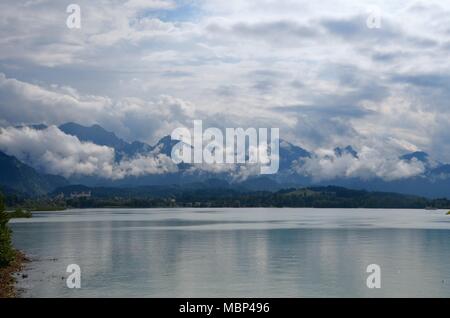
{"x":236,"y":252}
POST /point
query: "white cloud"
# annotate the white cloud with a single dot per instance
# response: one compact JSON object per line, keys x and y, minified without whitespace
{"x":370,"y":163}
{"x":134,"y":118}
{"x":141,"y":68}
{"x":25,"y":102}
{"x":52,"y":151}
{"x":150,"y":4}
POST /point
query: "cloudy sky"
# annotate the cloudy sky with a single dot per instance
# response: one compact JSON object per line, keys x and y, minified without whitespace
{"x":314,"y":69}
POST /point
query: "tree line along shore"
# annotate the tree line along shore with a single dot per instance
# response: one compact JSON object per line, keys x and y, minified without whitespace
{"x":80,"y":197}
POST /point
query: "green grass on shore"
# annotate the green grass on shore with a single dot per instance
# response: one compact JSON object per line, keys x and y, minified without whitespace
{"x":19,"y":213}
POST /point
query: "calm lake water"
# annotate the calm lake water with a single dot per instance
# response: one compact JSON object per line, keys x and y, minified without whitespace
{"x":236,"y":252}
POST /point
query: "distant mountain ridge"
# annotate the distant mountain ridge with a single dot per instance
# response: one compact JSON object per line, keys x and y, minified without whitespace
{"x":97,"y":135}
{"x":418,"y":155}
{"x":339,"y":152}
{"x":433,"y":182}
{"x":21,"y":178}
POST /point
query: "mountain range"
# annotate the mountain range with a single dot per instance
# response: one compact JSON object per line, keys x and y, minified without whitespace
{"x":18,"y":177}
{"x":433,"y":182}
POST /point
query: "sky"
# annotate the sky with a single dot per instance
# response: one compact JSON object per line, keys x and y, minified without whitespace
{"x":314,"y":69}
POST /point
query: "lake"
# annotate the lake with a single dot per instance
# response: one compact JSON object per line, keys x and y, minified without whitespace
{"x":265,"y":252}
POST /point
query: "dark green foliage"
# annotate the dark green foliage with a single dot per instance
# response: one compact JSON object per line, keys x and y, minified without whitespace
{"x":19,"y":177}
{"x":20,"y":213}
{"x":189,"y":196}
{"x":6,"y":250}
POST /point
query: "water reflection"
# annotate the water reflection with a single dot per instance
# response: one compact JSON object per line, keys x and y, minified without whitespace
{"x":235,"y":252}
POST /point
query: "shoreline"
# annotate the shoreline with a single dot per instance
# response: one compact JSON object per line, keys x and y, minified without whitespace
{"x":8,"y":276}
{"x":445,"y":210}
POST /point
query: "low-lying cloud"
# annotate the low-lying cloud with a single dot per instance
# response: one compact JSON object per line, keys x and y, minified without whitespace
{"x":369,"y":164}
{"x":52,"y":151}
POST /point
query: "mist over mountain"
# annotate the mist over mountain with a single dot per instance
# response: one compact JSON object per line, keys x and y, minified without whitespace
{"x":339,"y":152}
{"x":99,"y":136}
{"x":17,"y":176}
{"x":108,"y":160}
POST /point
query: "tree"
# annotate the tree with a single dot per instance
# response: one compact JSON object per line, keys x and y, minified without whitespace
{"x":6,"y":250}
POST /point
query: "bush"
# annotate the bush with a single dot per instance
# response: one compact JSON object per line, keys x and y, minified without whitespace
{"x":6,"y":250}
{"x":19,"y":213}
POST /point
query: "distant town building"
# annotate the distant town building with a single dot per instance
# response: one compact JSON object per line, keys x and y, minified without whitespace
{"x":60,"y":196}
{"x":82,"y":194}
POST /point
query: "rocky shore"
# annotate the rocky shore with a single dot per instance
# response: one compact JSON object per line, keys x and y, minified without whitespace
{"x":7,"y":277}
